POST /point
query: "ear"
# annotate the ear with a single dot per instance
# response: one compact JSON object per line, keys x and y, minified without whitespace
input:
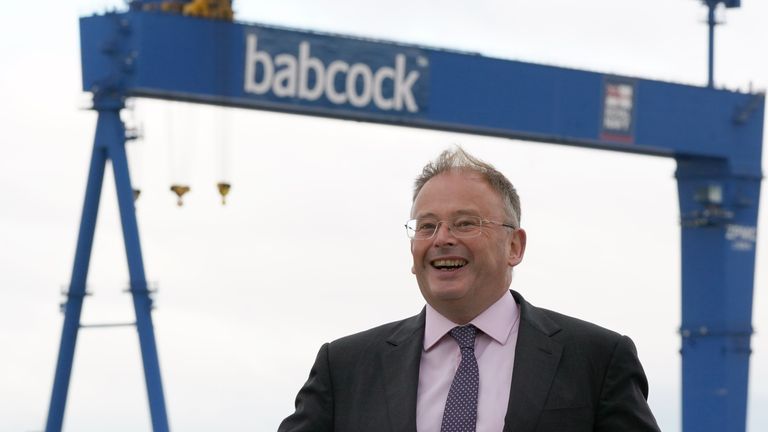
{"x":517,"y":247}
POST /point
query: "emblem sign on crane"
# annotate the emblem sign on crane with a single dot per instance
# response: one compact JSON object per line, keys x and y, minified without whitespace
{"x":715,"y":136}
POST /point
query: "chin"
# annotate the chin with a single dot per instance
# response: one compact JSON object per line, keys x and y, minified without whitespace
{"x":447,"y":293}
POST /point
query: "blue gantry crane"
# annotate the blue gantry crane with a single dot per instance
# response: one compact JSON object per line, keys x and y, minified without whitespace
{"x":192,"y":51}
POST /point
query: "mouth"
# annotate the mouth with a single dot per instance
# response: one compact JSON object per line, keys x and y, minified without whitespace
{"x":451,"y":264}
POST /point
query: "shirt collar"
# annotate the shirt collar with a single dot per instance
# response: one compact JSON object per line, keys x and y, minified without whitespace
{"x":497,"y":321}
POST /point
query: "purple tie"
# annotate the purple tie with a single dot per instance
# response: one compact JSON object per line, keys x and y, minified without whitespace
{"x":460,"y":413}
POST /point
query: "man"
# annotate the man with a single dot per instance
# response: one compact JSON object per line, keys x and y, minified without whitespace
{"x":478,"y":357}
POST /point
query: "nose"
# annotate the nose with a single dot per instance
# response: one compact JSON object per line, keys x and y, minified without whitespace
{"x":443,"y":235}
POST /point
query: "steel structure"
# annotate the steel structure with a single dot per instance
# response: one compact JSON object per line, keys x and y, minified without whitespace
{"x":714,"y":135}
{"x":711,"y":23}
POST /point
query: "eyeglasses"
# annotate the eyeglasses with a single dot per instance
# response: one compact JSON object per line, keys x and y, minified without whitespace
{"x":460,"y":227}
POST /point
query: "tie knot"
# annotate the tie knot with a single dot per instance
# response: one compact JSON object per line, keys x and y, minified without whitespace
{"x":465,"y":336}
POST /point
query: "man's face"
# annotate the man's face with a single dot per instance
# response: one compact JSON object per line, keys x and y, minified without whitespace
{"x":462,"y":293}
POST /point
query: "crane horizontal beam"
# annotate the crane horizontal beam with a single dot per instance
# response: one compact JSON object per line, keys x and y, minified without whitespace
{"x":167,"y":56}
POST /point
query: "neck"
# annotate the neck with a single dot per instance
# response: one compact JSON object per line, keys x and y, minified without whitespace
{"x":462,"y":314}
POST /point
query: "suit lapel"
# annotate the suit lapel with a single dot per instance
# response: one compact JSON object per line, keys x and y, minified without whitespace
{"x":536,"y":359}
{"x":400,"y":364}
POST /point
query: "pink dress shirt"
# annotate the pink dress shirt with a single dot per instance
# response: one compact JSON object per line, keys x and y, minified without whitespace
{"x":495,"y":353}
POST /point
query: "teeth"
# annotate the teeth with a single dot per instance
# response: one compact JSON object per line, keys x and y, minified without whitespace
{"x":449,"y":262}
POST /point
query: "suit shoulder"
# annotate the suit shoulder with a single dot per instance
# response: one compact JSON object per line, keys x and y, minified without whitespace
{"x":562,"y":327}
{"x":588,"y":345}
{"x":361,"y":340}
{"x":575,"y":330}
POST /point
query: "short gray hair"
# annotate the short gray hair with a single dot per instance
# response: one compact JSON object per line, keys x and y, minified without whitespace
{"x":458,"y":159}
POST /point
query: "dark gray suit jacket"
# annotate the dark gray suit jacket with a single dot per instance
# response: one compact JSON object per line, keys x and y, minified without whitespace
{"x":569,"y":375}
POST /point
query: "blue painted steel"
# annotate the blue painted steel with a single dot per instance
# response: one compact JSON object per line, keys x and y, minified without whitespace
{"x":711,"y":23}
{"x":719,"y":228}
{"x":76,"y":290}
{"x":726,"y":3}
{"x":715,"y":136}
{"x":209,"y":62}
{"x":142,"y":302}
{"x":176,"y":57}
{"x":109,"y":145}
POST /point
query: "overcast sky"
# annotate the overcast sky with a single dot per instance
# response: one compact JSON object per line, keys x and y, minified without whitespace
{"x":310,"y":246}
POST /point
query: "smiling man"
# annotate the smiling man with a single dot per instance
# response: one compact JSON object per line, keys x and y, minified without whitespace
{"x":478,"y":357}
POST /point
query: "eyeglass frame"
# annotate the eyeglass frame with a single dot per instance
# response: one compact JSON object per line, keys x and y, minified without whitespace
{"x":483,"y":221}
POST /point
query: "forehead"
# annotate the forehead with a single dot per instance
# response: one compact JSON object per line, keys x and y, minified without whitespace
{"x":456,"y":192}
